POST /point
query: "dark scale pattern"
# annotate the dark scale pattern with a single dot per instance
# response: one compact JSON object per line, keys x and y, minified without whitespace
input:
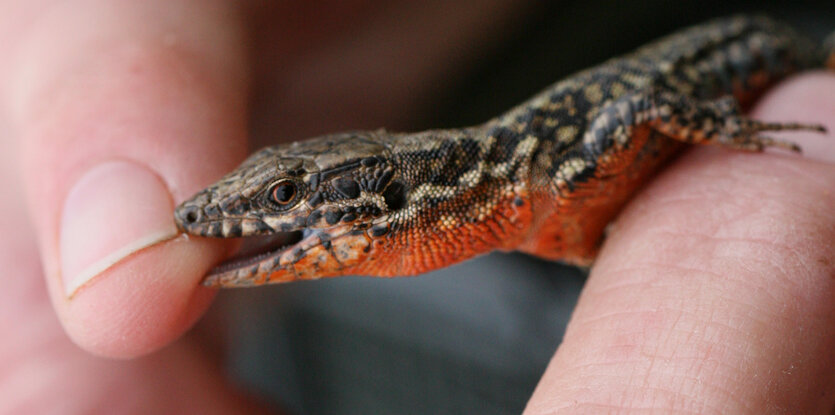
{"x":544,"y":178}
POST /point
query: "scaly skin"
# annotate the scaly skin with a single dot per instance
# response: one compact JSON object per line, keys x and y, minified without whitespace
{"x":545,"y":178}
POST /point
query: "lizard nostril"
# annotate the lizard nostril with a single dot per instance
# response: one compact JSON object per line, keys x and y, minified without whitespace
{"x":191,"y":215}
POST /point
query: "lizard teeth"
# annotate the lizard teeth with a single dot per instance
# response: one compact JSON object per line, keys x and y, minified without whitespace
{"x":255,"y":249}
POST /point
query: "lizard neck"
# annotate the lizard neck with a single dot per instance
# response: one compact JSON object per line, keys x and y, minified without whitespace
{"x":467,"y":194}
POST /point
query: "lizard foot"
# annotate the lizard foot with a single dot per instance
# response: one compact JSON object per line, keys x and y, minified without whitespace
{"x":718,"y":122}
{"x":746,"y":134}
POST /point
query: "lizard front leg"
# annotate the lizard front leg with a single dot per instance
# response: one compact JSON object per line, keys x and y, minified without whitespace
{"x":686,"y":119}
{"x":623,"y":145}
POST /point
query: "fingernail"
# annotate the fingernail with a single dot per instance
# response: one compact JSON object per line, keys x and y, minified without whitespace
{"x":114,"y":210}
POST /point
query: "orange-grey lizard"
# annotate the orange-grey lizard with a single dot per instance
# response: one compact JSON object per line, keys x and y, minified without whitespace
{"x":544,"y":178}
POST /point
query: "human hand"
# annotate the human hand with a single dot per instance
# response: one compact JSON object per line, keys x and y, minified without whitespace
{"x":146,"y":88}
{"x":101,"y":106}
{"x":714,"y":293}
{"x":114,"y":112}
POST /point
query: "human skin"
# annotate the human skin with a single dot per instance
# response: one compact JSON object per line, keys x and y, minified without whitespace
{"x":712,"y":294}
{"x":714,"y":291}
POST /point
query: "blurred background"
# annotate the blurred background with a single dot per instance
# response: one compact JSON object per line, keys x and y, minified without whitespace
{"x":473,"y":338}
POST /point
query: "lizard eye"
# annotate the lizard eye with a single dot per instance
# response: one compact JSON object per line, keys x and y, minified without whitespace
{"x":284,"y":192}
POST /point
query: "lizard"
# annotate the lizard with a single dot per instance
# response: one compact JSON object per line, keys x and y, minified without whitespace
{"x":544,"y":178}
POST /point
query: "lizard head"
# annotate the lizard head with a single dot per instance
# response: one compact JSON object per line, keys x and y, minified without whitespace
{"x":305,"y":210}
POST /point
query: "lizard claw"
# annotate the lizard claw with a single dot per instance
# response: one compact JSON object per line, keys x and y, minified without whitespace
{"x":758,"y":126}
{"x":762,"y":142}
{"x":748,"y":137}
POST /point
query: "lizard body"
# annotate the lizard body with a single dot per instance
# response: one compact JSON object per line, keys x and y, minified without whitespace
{"x":544,"y":178}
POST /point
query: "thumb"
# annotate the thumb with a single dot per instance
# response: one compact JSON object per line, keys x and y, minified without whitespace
{"x":122,"y":111}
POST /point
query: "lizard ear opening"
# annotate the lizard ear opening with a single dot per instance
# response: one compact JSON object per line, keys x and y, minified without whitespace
{"x":395,"y":196}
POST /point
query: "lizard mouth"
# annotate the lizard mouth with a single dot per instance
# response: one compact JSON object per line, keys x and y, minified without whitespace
{"x":257,"y":249}
{"x":309,"y":253}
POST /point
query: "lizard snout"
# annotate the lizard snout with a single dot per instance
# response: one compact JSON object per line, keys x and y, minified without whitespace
{"x":187,"y":216}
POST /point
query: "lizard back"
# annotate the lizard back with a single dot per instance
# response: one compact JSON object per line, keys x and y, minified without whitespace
{"x":545,"y":178}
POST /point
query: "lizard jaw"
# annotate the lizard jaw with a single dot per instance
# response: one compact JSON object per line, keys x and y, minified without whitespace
{"x":304,"y":254}
{"x":255,"y":249}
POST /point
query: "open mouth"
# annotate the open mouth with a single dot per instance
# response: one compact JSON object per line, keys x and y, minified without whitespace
{"x":258,"y":248}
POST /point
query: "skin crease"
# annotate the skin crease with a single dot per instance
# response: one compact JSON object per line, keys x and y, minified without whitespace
{"x":740,"y":321}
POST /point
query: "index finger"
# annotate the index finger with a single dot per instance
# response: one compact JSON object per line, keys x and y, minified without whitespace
{"x":123,"y":110}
